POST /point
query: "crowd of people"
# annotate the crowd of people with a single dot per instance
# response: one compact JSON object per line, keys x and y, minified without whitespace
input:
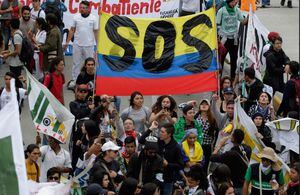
{"x":168,"y":148}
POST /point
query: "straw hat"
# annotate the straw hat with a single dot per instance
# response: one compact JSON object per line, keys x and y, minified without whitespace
{"x":268,"y":153}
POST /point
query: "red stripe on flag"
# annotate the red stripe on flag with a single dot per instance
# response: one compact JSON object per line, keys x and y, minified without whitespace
{"x":195,"y":83}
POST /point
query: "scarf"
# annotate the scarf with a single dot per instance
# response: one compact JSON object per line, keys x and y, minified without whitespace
{"x":265,"y":169}
{"x":130,"y":133}
{"x":230,"y":10}
{"x":198,"y":152}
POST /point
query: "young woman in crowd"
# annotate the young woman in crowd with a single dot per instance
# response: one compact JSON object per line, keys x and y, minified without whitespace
{"x":32,"y":168}
{"x":37,"y":40}
{"x":164,"y":110}
{"x":293,"y":187}
{"x":220,"y":175}
{"x":187,"y":121}
{"x":55,"y":80}
{"x":263,"y":106}
{"x":226,"y":188}
{"x":87,"y":74}
{"x":137,"y":111}
{"x":263,"y":131}
{"x":192,"y":148}
{"x":209,"y":127}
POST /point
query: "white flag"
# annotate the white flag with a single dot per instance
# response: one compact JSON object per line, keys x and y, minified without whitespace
{"x":49,"y":116}
{"x":13,"y":178}
{"x":284,"y":133}
{"x":251,"y":50}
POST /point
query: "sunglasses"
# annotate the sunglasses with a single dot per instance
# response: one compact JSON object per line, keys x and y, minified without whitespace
{"x":53,"y":178}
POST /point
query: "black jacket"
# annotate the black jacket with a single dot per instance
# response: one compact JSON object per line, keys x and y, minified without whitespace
{"x":233,"y":160}
{"x":151,"y":167}
{"x":265,"y":131}
{"x":289,"y":98}
{"x":253,"y":93}
{"x":274,"y":70}
{"x":171,"y":152}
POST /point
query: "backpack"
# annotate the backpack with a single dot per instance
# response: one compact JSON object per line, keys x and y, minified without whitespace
{"x":27,"y":51}
{"x":54,"y":8}
{"x":41,"y":80}
{"x":38,"y":11}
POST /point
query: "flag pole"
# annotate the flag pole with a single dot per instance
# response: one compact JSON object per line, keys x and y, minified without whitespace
{"x":217,"y":49}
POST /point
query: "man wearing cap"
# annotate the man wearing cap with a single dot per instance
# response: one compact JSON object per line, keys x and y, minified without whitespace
{"x":107,"y":164}
{"x":266,"y":177}
{"x":147,"y":167}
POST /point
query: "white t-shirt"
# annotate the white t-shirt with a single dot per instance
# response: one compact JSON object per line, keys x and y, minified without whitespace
{"x":6,"y":97}
{"x":51,"y":159}
{"x":84,"y":30}
{"x":37,"y":14}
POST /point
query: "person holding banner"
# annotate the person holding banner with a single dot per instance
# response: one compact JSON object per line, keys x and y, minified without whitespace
{"x":84,"y":28}
{"x":227,"y":22}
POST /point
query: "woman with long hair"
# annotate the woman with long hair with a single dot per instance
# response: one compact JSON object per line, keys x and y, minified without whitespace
{"x":137,"y":111}
{"x":37,"y":40}
{"x":32,"y":168}
{"x":209,"y":128}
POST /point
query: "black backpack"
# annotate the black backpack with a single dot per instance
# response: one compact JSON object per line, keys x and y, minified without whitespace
{"x":54,"y":8}
{"x":27,"y":51}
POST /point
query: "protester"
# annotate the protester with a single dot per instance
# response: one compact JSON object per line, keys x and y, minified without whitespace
{"x":14,"y":49}
{"x":187,"y":121}
{"x":205,"y":117}
{"x":84,"y":27}
{"x":197,"y":183}
{"x":95,"y":189}
{"x":291,"y":94}
{"x":5,"y":92}
{"x":137,"y":111}
{"x":53,"y":175}
{"x":53,"y":155}
{"x":164,"y":110}
{"x":170,"y":151}
{"x":253,"y":87}
{"x":265,"y":177}
{"x":129,"y":186}
{"x":263,"y":131}
{"x":220,"y":175}
{"x":228,"y":94}
{"x":55,"y":80}
{"x":129,"y":129}
{"x":38,"y":40}
{"x":225,"y":82}
{"x":276,"y":61}
{"x":226,"y":188}
{"x":32,"y":167}
{"x":271,"y":37}
{"x":107,"y":163}
{"x":238,"y":156}
{"x":150,"y":172}
{"x":36,"y":10}
{"x":26,"y":23}
{"x":294,"y":185}
{"x":87,"y":74}
{"x":52,"y":47}
{"x":130,"y":149}
{"x":227,"y":20}
{"x":263,"y":106}
{"x":150,"y":189}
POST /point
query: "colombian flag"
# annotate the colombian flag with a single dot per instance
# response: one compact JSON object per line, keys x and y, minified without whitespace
{"x":157,"y":56}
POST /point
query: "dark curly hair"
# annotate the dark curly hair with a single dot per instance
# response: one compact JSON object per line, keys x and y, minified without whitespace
{"x":157,"y":106}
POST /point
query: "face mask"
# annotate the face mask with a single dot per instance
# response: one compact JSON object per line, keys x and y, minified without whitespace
{"x":264,"y":169}
{"x":85,"y":15}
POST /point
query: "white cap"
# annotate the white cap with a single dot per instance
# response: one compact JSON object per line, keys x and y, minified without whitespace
{"x":110,"y":146}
